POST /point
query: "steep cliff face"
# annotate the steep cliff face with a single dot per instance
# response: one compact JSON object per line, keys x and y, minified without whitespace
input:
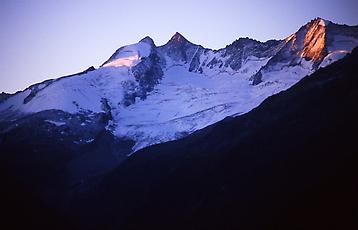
{"x":315,"y":41}
{"x":316,"y":44}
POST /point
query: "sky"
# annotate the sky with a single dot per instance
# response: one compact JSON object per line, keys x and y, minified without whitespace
{"x":43,"y":39}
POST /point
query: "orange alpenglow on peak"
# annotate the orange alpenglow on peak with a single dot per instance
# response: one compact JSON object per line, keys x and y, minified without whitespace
{"x":315,"y":40}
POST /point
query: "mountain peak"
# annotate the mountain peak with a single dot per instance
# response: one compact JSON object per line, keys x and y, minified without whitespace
{"x":178,"y":38}
{"x":320,"y":21}
{"x":147,"y":40}
{"x":315,"y":40}
{"x":312,"y":38}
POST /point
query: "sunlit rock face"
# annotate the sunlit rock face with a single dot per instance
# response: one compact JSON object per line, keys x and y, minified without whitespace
{"x":314,"y":45}
{"x":307,"y":43}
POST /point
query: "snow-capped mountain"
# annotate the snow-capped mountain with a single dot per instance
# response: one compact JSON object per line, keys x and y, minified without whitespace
{"x":314,"y":45}
{"x":152,"y":94}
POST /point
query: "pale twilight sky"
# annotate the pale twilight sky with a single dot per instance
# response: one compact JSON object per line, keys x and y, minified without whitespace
{"x":42,"y":39}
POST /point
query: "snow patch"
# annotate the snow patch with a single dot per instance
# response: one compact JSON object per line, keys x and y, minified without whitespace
{"x":323,"y":22}
{"x":332,"y":57}
{"x":56,"y":123}
{"x":126,"y":61}
{"x":129,"y":56}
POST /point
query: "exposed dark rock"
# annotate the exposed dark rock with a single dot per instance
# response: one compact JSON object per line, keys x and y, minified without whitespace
{"x":242,"y":48}
{"x":148,"y":73}
{"x":4,"y":96}
{"x":179,"y":49}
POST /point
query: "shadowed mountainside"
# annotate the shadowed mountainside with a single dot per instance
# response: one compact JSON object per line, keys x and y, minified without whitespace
{"x":288,"y":164}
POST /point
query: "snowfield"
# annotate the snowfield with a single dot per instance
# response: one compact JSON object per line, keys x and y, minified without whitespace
{"x":185,"y":102}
